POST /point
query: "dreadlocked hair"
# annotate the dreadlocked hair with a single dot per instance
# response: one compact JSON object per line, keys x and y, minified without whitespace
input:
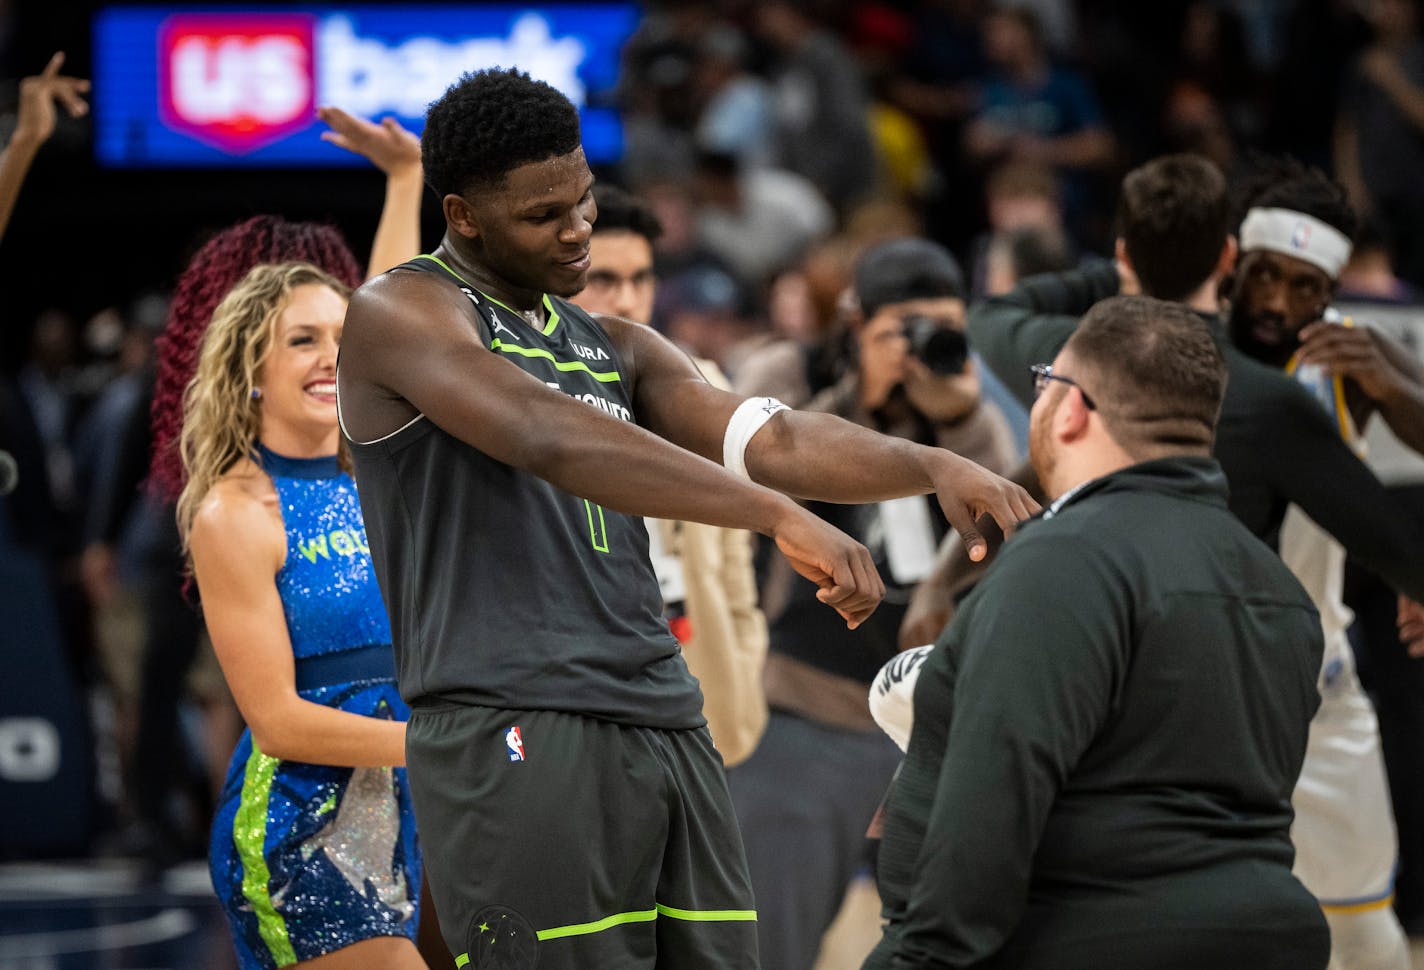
{"x":221,"y":417}
{"x":215,"y":269}
{"x":1283,"y":182}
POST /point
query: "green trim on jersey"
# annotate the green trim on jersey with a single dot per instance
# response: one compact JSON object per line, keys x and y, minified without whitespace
{"x":637,"y":916}
{"x":249,"y":832}
{"x":603,"y":377}
{"x":598,"y":926}
{"x":548,"y":305}
{"x":442,"y":264}
{"x":709,"y":915}
{"x":553,"y":316}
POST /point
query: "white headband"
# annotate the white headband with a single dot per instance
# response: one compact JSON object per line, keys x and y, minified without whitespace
{"x":1296,"y":234}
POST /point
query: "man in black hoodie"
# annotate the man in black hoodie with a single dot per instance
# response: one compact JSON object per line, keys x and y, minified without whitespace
{"x":1107,"y":736}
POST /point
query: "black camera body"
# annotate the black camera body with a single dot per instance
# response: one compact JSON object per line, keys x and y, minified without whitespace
{"x":943,"y":349}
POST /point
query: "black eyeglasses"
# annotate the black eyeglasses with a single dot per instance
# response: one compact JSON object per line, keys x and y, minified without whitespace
{"x":1043,"y":373}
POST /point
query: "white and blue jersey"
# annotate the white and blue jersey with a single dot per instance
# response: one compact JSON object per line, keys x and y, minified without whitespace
{"x":307,"y":859}
{"x":1344,"y":834}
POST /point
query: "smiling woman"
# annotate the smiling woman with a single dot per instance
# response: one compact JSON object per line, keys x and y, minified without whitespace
{"x":298,"y":385}
{"x":313,"y":849}
{"x":260,"y":362}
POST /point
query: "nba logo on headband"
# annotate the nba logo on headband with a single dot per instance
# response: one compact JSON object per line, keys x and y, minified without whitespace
{"x":1297,"y":234}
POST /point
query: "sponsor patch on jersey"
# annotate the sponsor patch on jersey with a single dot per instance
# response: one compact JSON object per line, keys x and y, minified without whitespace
{"x":514,"y":741}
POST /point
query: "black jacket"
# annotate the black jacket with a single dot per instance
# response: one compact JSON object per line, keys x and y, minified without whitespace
{"x":1274,"y":441}
{"x":1105,"y":743}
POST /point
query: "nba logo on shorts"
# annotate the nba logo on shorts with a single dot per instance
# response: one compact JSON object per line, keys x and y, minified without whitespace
{"x":514,"y":740}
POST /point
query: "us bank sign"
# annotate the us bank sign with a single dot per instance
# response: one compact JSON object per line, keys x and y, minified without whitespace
{"x":191,"y":87}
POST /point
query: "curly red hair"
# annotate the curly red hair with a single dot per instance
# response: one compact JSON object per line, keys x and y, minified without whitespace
{"x":216,"y":268}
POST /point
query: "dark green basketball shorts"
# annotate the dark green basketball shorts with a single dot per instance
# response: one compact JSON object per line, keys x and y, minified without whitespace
{"x":564,"y":842}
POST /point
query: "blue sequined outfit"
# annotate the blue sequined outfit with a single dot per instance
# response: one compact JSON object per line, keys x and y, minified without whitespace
{"x":307,"y":859}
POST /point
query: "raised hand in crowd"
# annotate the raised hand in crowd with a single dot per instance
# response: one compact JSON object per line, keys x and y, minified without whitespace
{"x":396,"y":152}
{"x":387,"y":145}
{"x":35,"y":123}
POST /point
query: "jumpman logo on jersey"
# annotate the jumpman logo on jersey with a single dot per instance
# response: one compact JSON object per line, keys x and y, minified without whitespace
{"x":494,"y":317}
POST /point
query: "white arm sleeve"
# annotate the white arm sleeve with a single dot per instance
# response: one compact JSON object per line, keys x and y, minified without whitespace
{"x":743,"y":425}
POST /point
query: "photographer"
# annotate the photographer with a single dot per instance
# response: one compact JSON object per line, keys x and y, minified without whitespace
{"x":911,"y":374}
{"x":808,"y":792}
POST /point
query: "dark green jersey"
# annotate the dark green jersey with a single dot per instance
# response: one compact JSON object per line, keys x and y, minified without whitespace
{"x":503,"y":590}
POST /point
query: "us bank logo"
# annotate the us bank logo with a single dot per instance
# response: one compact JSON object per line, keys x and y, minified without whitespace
{"x":237,"y":83}
{"x":233,"y":87}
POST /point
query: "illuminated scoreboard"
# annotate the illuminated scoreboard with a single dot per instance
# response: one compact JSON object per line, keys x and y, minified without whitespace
{"x":191,"y":87}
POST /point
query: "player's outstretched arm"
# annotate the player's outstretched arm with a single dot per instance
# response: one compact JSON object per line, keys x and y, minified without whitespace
{"x":812,"y":455}
{"x":410,"y":338}
{"x":824,"y":457}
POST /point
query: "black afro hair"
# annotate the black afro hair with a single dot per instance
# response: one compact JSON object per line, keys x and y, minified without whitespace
{"x":1287,"y":183}
{"x":490,"y":122}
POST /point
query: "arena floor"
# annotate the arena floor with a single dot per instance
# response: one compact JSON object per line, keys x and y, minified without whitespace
{"x":105,"y":916}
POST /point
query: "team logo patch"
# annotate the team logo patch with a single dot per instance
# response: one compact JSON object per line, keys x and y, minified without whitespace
{"x":500,"y":939}
{"x":514,"y":741}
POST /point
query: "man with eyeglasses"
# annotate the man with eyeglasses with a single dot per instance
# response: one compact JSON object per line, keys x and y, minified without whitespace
{"x":705,"y":572}
{"x":1106,"y":737}
{"x":1277,"y":445}
{"x":1279,"y":448}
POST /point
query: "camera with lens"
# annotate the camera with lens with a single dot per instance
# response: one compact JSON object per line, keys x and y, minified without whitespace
{"x":943,"y":349}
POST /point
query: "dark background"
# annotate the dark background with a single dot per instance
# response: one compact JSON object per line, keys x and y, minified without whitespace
{"x":83,"y":237}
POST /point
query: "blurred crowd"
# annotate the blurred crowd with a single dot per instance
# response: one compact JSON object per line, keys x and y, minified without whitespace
{"x":776,"y":142}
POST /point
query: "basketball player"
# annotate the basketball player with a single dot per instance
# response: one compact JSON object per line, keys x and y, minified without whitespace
{"x":573,"y":809}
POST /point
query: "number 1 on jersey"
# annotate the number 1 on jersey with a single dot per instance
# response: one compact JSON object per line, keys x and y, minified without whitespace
{"x":597,"y":531}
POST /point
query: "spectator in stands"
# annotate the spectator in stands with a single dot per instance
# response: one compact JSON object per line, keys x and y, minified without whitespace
{"x":822,"y":122}
{"x":807,"y":794}
{"x":705,"y":572}
{"x":1380,"y":135}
